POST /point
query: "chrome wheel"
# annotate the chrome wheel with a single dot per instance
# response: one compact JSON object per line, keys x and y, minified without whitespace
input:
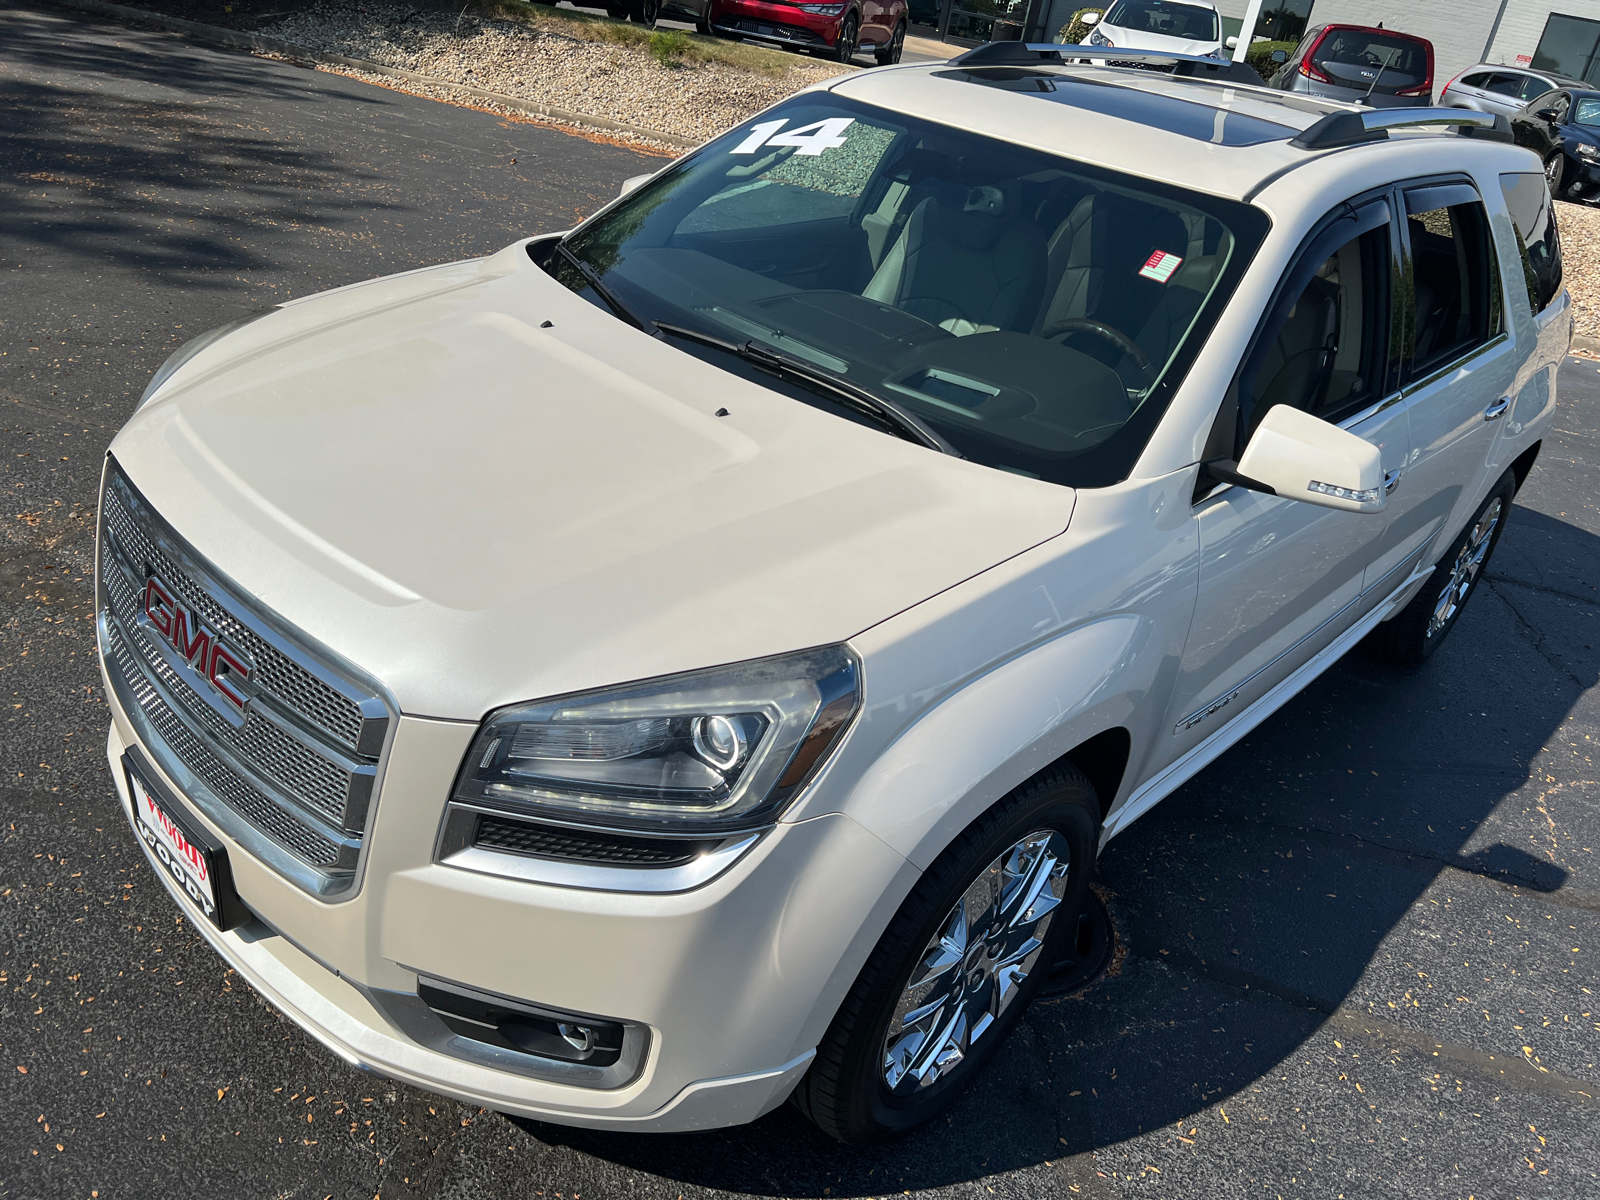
{"x":1465,"y":570}
{"x":970,"y":971}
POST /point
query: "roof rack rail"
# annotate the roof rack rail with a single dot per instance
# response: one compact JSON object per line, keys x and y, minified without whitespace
{"x":1034,"y":54}
{"x":1337,"y":130}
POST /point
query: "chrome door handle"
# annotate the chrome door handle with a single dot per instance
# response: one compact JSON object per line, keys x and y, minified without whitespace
{"x":1498,"y":409}
{"x":1391,"y":480}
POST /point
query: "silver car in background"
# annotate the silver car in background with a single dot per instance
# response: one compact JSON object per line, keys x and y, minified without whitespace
{"x":1496,"y":88}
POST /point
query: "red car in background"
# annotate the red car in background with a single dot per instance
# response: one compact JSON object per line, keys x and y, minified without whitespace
{"x":835,"y":30}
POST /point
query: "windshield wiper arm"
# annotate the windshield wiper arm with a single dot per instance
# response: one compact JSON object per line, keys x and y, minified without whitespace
{"x":853,"y":395}
{"x":592,"y":278}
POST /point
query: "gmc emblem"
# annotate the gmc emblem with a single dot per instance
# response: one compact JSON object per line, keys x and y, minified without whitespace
{"x":199,"y":647}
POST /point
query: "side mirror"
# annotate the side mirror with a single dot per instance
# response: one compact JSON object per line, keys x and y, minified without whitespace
{"x":1280,"y":56}
{"x":1231,"y":43}
{"x":1090,"y":18}
{"x":630,"y":183}
{"x":1300,"y":457}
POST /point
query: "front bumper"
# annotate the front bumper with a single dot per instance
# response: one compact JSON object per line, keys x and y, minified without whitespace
{"x":1583,"y":183}
{"x":780,"y":24}
{"x":735,"y":981}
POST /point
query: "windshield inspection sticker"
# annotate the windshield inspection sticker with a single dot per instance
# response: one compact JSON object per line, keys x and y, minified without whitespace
{"x":1160,"y":266}
{"x":810,"y":139}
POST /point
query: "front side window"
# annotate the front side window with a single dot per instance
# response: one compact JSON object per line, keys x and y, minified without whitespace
{"x":1192,"y":22}
{"x":1034,"y":312}
{"x":1532,"y":87}
{"x":1323,"y":348}
{"x":1453,"y":278}
{"x":1528,"y":200}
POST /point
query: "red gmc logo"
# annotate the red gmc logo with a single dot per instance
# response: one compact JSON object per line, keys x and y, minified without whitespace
{"x":198,"y":646}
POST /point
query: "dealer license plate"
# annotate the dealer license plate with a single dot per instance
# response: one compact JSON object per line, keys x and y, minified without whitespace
{"x":194,"y":860}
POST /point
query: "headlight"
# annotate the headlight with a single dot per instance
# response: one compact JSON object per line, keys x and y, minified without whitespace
{"x":1096,"y":38}
{"x":824,"y":9}
{"x":1584,"y":150}
{"x":192,"y":347}
{"x":717,"y":750}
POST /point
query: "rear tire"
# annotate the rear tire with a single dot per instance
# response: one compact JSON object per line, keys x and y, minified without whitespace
{"x":617,"y":11}
{"x":644,"y":12}
{"x":1411,"y":638}
{"x":889,"y":54}
{"x":969,"y":937}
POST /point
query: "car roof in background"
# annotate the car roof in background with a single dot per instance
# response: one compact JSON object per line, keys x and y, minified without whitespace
{"x":1222,"y":138}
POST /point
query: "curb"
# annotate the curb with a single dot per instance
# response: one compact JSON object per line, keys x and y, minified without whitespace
{"x":240,"y":40}
{"x":1588,"y":346}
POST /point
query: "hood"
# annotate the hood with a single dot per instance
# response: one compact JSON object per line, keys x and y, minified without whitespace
{"x":479,"y":509}
{"x":1156,"y":41}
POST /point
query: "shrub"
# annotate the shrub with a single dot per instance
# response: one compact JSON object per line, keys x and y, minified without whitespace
{"x":1075,"y":32}
{"x":668,"y":48}
{"x":1259,"y":56}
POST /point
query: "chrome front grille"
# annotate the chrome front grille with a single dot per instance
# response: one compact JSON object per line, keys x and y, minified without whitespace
{"x":291,"y":778}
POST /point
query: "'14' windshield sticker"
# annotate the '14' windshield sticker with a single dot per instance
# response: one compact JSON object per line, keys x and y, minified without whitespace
{"x":1160,"y":266}
{"x":809,"y":139}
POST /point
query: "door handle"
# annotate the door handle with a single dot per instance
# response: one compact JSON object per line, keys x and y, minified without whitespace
{"x":1498,"y":409}
{"x":1391,"y":480}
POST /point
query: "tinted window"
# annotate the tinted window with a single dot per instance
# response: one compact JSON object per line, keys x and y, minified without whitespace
{"x":1188,"y":21}
{"x":1528,"y":200}
{"x":1035,"y":311}
{"x":1504,"y":84}
{"x":1454,"y":303}
{"x":1324,"y":351}
{"x":1533,"y":86}
{"x":1373,"y":48}
{"x":1481,"y":79}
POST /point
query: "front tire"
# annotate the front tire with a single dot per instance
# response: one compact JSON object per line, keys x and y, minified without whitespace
{"x":1555,"y":170}
{"x":644,"y":12}
{"x":849,"y":38}
{"x":959,"y":963}
{"x":1412,"y":637}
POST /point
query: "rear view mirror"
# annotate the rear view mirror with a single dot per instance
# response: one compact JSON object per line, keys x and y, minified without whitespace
{"x":630,"y":183}
{"x":1301,"y":457}
{"x":1090,"y":18}
{"x":1280,"y":56}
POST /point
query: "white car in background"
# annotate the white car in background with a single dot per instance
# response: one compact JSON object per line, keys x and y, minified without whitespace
{"x":1175,"y":26}
{"x":695,"y":659}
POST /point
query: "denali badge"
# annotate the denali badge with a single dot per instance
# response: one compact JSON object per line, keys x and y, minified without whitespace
{"x":198,"y":648}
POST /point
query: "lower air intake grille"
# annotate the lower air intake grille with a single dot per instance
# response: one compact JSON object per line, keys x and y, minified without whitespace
{"x":550,"y":841}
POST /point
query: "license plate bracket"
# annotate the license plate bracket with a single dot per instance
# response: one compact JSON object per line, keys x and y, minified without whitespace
{"x":194,"y":861}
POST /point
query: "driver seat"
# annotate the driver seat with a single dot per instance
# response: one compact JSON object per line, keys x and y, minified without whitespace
{"x":965,"y":263}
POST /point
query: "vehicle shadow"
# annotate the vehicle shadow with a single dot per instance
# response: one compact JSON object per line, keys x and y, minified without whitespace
{"x":155,"y":161}
{"x":1249,"y":904}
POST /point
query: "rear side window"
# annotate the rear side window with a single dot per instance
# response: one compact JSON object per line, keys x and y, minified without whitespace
{"x":1528,"y":199}
{"x":1505,"y":84}
{"x":1455,"y":299}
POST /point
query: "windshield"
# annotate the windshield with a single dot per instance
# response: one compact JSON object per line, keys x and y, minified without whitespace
{"x":1035,"y":312}
{"x":1192,"y":22}
{"x":1588,"y":113}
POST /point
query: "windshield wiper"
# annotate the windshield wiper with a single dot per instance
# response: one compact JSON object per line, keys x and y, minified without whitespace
{"x":885,"y":411}
{"x":592,"y":278}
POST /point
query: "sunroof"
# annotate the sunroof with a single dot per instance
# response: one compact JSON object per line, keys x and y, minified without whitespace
{"x":1202,"y":122}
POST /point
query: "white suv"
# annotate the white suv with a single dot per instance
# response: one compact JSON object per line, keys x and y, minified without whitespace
{"x":695,"y":660}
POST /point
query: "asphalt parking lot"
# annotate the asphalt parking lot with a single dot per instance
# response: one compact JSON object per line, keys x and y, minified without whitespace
{"x":1357,"y":954}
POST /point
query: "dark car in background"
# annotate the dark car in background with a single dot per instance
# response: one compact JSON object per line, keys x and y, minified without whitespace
{"x":836,"y":30}
{"x":1493,"y":88}
{"x":1563,"y":128}
{"x":1361,"y":65}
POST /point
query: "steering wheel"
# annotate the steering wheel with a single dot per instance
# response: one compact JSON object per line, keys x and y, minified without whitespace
{"x":1110,"y":333}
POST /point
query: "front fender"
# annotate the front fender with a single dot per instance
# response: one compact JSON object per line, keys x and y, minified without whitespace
{"x":1002,"y":728}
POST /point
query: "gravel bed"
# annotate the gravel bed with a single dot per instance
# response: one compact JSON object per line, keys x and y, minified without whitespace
{"x":1580,"y":260}
{"x":624,"y":83}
